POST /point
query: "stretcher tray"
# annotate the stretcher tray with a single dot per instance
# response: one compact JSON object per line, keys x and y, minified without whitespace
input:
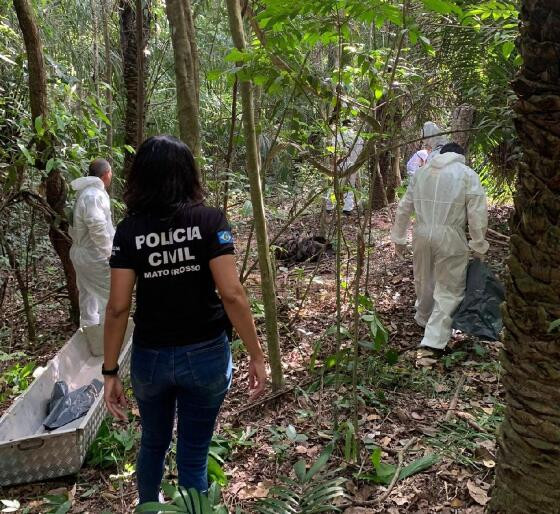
{"x":28,"y":452}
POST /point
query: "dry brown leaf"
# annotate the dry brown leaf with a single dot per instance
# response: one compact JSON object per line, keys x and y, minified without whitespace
{"x":456,"y":503}
{"x":385,"y":441}
{"x":427,"y":430}
{"x":301,"y":450}
{"x":417,"y":416}
{"x":58,"y":491}
{"x":254,"y":491}
{"x":401,"y":500}
{"x":477,"y":493}
{"x":489,"y":463}
{"x":441,"y":388}
{"x":426,"y":362}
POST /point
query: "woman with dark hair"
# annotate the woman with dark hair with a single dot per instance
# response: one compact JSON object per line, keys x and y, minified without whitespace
{"x":177,"y":251}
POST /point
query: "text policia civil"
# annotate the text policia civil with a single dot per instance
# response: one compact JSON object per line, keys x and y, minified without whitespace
{"x":171,"y":256}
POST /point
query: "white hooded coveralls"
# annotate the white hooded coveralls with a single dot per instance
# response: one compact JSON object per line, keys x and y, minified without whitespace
{"x":435,"y":142}
{"x":353,"y":146}
{"x":445,"y":195}
{"x":92,"y":240}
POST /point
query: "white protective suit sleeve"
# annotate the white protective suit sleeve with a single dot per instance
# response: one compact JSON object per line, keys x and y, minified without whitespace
{"x":95,"y":220}
{"x":477,"y":214}
{"x":402,"y":217}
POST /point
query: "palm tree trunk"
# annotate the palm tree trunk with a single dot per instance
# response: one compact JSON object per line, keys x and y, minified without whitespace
{"x":527,"y":472}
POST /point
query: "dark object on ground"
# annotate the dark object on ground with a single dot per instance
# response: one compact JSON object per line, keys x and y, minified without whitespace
{"x":479,"y":314}
{"x":65,"y":407}
{"x":300,"y":249}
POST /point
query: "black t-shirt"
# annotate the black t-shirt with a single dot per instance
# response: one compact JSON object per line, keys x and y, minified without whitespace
{"x":176,"y":300}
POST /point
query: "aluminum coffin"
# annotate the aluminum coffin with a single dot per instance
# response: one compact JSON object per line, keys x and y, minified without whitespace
{"x":27,"y":451}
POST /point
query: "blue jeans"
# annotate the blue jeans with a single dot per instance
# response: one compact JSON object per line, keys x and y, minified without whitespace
{"x":191,"y":380}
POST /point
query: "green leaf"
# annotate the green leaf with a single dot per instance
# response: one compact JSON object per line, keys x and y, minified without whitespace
{"x":392,"y":356}
{"x":320,"y":463}
{"x":384,"y":473}
{"x":299,"y":469}
{"x":442,"y":6}
{"x":378,"y":93}
{"x":419,"y":465}
{"x":30,"y":159}
{"x":39,"y":126}
{"x":64,"y":508}
{"x":236,"y":55}
{"x":553,"y":326}
{"x":161,"y":507}
{"x":291,"y":433}
{"x":50,"y":165}
{"x":213,"y":75}
{"x":215,"y":472}
{"x":507,"y":48}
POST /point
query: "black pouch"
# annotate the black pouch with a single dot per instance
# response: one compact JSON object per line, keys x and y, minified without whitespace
{"x":479,"y":314}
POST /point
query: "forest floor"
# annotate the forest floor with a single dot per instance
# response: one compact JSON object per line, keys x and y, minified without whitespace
{"x":405,"y":400}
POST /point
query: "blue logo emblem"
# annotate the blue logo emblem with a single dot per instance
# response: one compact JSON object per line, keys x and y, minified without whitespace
{"x":225,"y":237}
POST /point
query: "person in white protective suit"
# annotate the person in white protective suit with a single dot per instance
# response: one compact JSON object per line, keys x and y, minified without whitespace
{"x":446,"y":195}
{"x":432,"y":141}
{"x":92,"y":239}
{"x":350,"y":146}
{"x":417,"y":160}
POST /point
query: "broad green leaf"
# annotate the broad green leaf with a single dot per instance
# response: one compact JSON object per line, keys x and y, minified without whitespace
{"x":214,"y":75}
{"x":392,"y":356}
{"x":507,"y":48}
{"x":215,"y":472}
{"x":384,"y":473}
{"x":291,"y":432}
{"x":30,"y":159}
{"x":50,"y":165}
{"x":64,"y":508}
{"x":299,"y":469}
{"x":320,"y":463}
{"x":553,"y":326}
{"x":39,"y":126}
{"x":236,"y":55}
{"x":155,"y":507}
{"x":419,"y":465}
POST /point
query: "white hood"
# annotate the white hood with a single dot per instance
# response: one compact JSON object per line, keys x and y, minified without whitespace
{"x":82,"y":183}
{"x":442,"y":160}
{"x":429,"y":131}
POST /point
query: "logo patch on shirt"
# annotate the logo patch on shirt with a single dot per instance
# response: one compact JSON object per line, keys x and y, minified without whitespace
{"x":225,"y":237}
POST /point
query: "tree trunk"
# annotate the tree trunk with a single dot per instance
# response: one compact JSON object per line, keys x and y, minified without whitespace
{"x":108,"y":75}
{"x":463,"y":117}
{"x":23,"y":288}
{"x":134,"y":77}
{"x":55,"y":184}
{"x":179,"y":14}
{"x":140,"y":65}
{"x":265,"y":265}
{"x":527,"y":477}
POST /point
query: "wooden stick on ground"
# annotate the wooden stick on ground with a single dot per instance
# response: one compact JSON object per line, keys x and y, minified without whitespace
{"x":495,"y":233}
{"x":466,"y":417}
{"x":400,"y":458}
{"x":453,"y":404}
